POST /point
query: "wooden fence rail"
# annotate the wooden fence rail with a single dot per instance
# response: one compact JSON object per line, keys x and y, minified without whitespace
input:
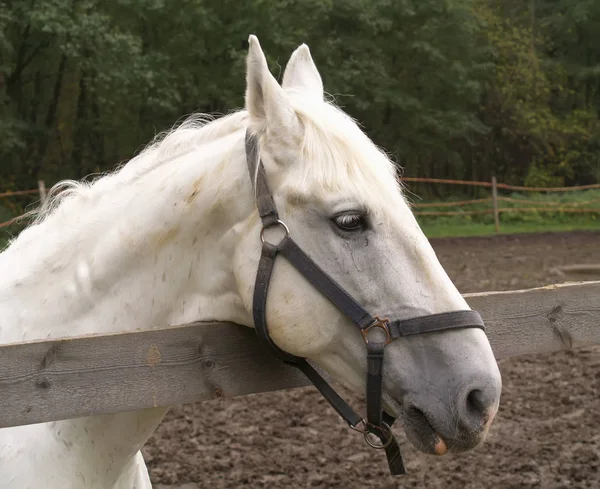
{"x":574,"y":207}
{"x":532,"y":204}
{"x":67,"y":378}
{"x":503,"y":186}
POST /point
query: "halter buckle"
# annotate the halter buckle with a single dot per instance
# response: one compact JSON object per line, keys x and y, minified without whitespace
{"x":381,"y":324}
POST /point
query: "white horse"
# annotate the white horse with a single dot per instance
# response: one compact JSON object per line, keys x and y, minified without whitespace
{"x":173,"y":237}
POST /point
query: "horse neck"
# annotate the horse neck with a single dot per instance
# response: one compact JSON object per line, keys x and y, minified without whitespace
{"x":156,"y":253}
{"x":160,"y":254}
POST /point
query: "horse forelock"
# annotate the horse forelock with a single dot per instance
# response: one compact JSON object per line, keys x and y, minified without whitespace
{"x":337,"y":156}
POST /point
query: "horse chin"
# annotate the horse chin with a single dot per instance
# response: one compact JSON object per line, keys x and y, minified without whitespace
{"x":421,"y":433}
{"x":417,"y":427}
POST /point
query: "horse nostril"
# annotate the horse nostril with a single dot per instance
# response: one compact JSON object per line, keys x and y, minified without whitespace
{"x":478,"y":406}
{"x":476,"y":402}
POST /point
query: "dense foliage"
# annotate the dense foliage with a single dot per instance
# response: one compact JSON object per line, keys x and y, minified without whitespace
{"x":451,"y":88}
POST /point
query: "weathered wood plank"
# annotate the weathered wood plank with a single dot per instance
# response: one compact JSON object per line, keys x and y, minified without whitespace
{"x":59,"y":379}
{"x":540,"y":320}
{"x":68,"y":378}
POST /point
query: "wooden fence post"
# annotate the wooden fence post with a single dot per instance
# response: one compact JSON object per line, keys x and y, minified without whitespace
{"x":42,"y":190}
{"x":495,"y":204}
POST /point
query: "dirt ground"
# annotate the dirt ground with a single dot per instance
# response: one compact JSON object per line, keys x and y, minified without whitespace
{"x":547,"y":433}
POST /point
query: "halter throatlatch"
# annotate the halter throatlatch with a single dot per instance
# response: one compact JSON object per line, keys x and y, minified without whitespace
{"x":378,"y":423}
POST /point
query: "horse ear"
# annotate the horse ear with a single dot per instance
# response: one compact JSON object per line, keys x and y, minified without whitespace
{"x":266,"y":102}
{"x":302,"y":74}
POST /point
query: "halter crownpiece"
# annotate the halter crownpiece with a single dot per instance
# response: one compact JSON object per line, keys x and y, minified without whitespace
{"x":378,"y":423}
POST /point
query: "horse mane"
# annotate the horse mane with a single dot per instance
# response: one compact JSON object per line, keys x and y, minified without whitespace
{"x":166,"y":146}
{"x":335,"y":155}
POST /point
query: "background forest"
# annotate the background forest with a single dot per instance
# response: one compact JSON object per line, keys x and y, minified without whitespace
{"x":461,"y":89}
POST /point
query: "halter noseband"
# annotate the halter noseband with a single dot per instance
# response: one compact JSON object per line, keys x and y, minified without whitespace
{"x":378,"y":422}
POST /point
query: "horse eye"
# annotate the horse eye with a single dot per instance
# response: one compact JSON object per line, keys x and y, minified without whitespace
{"x":350,"y":222}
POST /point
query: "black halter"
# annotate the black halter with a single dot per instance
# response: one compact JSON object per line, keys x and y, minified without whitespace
{"x":378,"y":422}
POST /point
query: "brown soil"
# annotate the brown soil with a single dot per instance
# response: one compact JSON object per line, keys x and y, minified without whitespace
{"x":547,"y":434}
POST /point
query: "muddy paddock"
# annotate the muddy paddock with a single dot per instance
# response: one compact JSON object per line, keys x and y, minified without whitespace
{"x":547,"y":433}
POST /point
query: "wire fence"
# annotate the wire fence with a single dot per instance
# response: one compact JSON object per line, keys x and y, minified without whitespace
{"x":503,"y":186}
{"x":527,"y":205}
{"x":40,"y":191}
{"x":495,"y":201}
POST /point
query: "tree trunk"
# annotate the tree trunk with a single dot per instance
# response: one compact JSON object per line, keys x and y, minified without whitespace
{"x":50,"y":121}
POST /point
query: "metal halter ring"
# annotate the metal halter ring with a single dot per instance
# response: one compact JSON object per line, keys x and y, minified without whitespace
{"x":381,"y":324}
{"x":356,"y":428}
{"x":278,"y":223}
{"x":367,"y":429}
{"x":385,"y":430}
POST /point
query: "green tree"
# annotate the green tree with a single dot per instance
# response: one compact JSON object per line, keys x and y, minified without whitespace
{"x":530,"y":140}
{"x":452,"y":88}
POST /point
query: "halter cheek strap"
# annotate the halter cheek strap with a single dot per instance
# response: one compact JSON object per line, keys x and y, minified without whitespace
{"x":378,"y":422}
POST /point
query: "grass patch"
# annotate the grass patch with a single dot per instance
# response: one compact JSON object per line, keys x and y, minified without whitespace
{"x":537,"y":212}
{"x":477,"y":229}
